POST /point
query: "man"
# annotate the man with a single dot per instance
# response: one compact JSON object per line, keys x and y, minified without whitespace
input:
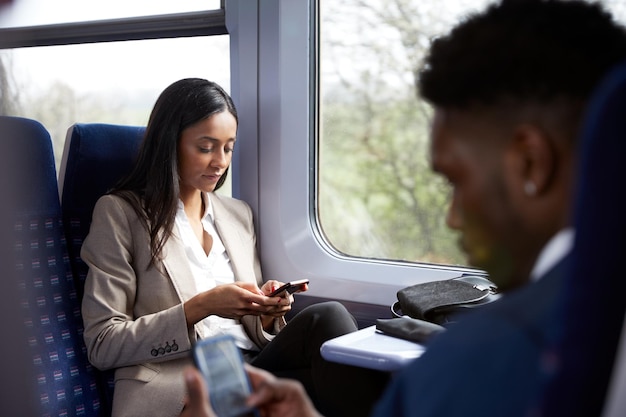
{"x":509,"y":88}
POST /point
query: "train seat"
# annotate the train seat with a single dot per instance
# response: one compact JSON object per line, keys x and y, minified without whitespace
{"x":63,"y":382}
{"x":593,"y":303}
{"x":94,"y":158}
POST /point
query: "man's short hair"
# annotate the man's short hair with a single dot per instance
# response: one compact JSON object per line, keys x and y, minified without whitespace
{"x":523,"y":51}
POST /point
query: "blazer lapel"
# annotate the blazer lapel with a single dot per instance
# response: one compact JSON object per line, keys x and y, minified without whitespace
{"x":230,"y":233}
{"x":179,"y":272}
{"x":177,"y":267}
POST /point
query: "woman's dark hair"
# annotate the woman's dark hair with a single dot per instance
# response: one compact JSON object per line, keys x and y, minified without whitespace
{"x":152,"y":187}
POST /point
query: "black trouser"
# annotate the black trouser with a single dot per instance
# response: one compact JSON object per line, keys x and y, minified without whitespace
{"x":336,"y":390}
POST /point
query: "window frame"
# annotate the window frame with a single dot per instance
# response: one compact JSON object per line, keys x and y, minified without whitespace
{"x":175,"y":25}
{"x":275,"y":170}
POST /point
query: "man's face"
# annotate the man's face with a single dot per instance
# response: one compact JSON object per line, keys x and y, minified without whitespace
{"x":470,"y":153}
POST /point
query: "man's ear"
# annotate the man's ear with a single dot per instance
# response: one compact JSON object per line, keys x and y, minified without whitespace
{"x":533,"y":158}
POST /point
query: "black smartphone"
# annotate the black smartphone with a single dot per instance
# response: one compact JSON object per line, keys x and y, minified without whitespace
{"x":290,"y":287}
{"x":221,"y":363}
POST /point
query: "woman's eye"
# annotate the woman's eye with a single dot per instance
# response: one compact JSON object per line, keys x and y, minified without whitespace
{"x":209,"y":150}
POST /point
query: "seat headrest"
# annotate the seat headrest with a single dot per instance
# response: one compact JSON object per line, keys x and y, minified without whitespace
{"x":27,"y":168}
{"x":95,"y":158}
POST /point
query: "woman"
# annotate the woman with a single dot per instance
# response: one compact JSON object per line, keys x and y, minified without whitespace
{"x":170,"y":262}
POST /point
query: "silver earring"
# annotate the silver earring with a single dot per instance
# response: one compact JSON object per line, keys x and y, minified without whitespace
{"x":530,"y":188}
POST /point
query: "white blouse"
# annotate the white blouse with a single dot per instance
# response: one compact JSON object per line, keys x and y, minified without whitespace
{"x":210,"y":271}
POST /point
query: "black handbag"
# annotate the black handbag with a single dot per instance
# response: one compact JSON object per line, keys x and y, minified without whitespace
{"x":440,"y":301}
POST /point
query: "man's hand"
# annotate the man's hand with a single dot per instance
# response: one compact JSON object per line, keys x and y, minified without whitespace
{"x":278,"y":397}
{"x":197,"y":404}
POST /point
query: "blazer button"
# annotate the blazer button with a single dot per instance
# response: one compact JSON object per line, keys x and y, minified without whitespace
{"x":174,"y":346}
{"x":168,"y":348}
{"x":161,"y":350}
{"x":154,"y":352}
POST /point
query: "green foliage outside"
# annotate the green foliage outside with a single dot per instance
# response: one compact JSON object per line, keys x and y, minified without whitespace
{"x":377,"y":195}
{"x":58,"y":106}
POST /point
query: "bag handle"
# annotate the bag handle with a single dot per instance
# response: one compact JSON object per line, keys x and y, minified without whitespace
{"x":396,"y":311}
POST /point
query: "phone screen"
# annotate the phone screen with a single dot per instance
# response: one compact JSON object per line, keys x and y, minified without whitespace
{"x":221,"y":363}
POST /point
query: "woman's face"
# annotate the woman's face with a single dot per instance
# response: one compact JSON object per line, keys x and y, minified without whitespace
{"x":205,"y":150}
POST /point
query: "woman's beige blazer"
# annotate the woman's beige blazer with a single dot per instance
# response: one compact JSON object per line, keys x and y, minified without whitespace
{"x":133,"y":315}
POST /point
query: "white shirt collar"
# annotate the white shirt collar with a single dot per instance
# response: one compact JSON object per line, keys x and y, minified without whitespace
{"x":556,"y":249}
{"x":208,"y":206}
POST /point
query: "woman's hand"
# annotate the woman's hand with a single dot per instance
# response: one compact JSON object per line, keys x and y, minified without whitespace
{"x":234,"y":301}
{"x":287,"y":299}
{"x":281,"y":309}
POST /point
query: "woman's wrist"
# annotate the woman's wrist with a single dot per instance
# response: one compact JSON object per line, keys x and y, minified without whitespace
{"x":194,"y":310}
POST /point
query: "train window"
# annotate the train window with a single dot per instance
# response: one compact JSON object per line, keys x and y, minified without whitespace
{"x":69,"y":68}
{"x":45,"y":12}
{"x":373,"y":131}
{"x":112,"y":82}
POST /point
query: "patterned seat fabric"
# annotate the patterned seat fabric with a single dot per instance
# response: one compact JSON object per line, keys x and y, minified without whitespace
{"x":64,"y":383}
{"x":95,"y":158}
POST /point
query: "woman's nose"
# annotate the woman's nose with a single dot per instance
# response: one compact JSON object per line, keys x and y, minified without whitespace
{"x":220,"y":159}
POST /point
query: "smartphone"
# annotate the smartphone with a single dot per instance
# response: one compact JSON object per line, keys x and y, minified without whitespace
{"x":290,"y":287}
{"x":221,"y":363}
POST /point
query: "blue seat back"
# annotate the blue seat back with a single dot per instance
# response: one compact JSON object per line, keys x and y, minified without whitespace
{"x":63,"y":382}
{"x":594,"y":299}
{"x":96,"y":156}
